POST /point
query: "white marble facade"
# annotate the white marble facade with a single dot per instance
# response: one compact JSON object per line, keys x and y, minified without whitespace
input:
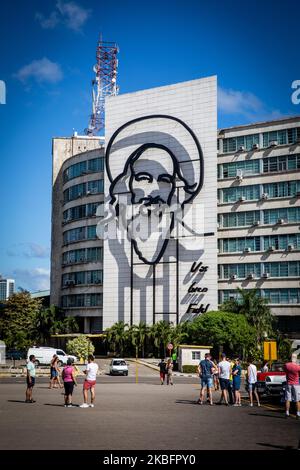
{"x":138,"y":171}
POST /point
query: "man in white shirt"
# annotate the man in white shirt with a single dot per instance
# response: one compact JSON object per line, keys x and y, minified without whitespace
{"x":224,"y":368}
{"x":252,"y":379}
{"x":90,"y":382}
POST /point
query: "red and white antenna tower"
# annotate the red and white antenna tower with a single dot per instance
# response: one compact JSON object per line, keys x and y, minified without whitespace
{"x":104,"y":84}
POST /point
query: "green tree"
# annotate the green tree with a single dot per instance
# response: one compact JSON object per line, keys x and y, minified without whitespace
{"x":117,"y":336}
{"x":161,"y":333}
{"x":18,"y":316}
{"x":52,"y":320}
{"x":80,"y":347}
{"x":230,"y":330}
{"x":179,"y":334}
{"x":255,"y":309}
{"x":139,"y":334}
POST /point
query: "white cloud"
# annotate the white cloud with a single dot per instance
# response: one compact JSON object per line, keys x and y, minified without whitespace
{"x":32,"y":279}
{"x":70,"y":14}
{"x":28,"y":250}
{"x":245,"y":104}
{"x":48,"y":23}
{"x":42,"y":71}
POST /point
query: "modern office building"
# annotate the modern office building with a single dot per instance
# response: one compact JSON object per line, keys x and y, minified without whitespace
{"x":259,"y":215}
{"x":7,"y":288}
{"x":76,"y":252}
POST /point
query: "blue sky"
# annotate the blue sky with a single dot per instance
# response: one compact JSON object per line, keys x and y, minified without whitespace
{"x":47,"y":50}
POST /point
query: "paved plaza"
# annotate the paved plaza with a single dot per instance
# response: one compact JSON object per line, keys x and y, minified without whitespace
{"x":138,"y":416}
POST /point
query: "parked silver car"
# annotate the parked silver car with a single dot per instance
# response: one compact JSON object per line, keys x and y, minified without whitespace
{"x":118,"y":367}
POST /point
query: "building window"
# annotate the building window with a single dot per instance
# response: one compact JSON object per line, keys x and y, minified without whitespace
{"x":80,"y":212}
{"x":282,"y":269}
{"x":233,"y":144}
{"x":282,"y":242}
{"x":273,"y":216}
{"x":230,"y":170}
{"x":281,"y":163}
{"x":228,"y":295}
{"x":233,"y":245}
{"x":282,"y":189}
{"x":240,"y":219}
{"x":282,"y":296}
{"x":84,"y":255}
{"x":83,"y":189}
{"x":82,"y":300}
{"x":249,"y":193}
{"x":82,"y":277}
{"x":241,"y":270}
{"x":82,"y":168}
{"x":282,"y":137}
{"x":79,"y":233}
{"x":196,"y":355}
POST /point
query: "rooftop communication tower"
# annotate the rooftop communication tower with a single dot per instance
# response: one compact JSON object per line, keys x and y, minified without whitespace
{"x":104,"y":84}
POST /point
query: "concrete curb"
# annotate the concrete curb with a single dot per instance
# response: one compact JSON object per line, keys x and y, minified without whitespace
{"x":153,"y":367}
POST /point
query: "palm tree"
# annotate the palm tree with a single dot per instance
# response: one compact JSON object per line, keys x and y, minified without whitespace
{"x":255,"y":309}
{"x":139,"y":333}
{"x":161,"y":333}
{"x":179,"y":334}
{"x":116,"y":336}
{"x":51,"y":320}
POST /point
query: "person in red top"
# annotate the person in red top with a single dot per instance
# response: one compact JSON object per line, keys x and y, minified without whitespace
{"x":292,"y":392}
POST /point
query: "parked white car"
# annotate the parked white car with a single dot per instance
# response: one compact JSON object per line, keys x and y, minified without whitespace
{"x":44,"y":355}
{"x":118,"y":367}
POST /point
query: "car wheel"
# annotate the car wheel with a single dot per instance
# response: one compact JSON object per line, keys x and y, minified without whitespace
{"x":126,"y":373}
{"x":60,"y":363}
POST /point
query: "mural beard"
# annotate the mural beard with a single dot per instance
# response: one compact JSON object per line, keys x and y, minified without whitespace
{"x":150,"y":230}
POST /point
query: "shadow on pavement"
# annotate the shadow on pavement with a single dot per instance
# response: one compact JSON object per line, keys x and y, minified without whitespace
{"x":18,"y":401}
{"x":61,"y":406}
{"x":267,"y":416}
{"x":265,"y":444}
{"x":187,"y":402}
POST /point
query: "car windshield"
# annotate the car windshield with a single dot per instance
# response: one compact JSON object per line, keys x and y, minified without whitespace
{"x":60,"y":353}
{"x":119,"y":363}
{"x":276,"y":367}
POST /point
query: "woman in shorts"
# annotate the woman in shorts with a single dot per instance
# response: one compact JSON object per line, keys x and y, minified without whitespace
{"x":54,"y":373}
{"x":69,"y":378}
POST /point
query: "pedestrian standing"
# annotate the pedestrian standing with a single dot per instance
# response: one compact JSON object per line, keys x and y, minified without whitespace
{"x":216,"y":375}
{"x":69,"y":378}
{"x":252,"y":381}
{"x":54,"y":373}
{"x":30,"y":379}
{"x":230,"y":385}
{"x":169,"y":370}
{"x":206,"y":370}
{"x":224,"y":369}
{"x":162,"y":371}
{"x":292,"y":392}
{"x":236,"y":381}
{"x":90,"y":382}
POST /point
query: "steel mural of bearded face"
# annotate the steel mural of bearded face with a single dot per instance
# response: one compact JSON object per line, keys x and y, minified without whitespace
{"x":159,"y":175}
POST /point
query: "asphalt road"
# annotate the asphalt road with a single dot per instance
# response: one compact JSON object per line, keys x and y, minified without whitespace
{"x":137,"y":416}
